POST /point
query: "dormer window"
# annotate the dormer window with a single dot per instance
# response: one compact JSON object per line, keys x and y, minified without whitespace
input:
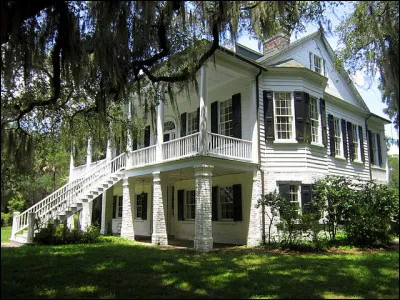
{"x":317,"y":64}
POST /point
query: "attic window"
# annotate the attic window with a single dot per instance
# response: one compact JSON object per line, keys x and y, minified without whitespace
{"x":317,"y":64}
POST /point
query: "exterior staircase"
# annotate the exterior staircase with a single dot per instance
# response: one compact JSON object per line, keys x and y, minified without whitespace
{"x":69,"y":199}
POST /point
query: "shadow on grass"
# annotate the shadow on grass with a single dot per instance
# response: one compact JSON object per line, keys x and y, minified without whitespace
{"x":125,"y":270}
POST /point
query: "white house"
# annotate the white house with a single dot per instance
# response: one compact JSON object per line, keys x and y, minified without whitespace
{"x":259,"y":123}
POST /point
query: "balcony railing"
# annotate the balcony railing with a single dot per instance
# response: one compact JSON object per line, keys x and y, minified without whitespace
{"x":182,"y":147}
{"x":218,"y":146}
{"x":225,"y":146}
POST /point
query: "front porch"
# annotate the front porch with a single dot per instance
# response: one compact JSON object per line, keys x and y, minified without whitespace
{"x":202,"y":199}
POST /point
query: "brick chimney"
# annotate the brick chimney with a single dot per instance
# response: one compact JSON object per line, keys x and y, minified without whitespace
{"x":279,"y":41}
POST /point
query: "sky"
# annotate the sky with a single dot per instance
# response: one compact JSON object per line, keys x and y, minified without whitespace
{"x":371,"y":94}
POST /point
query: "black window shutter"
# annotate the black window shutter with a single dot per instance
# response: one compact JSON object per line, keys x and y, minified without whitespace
{"x":306,"y":195}
{"x":144,"y":207}
{"x":344,"y":137}
{"x":331,"y":127}
{"x":360,"y":133}
{"x":198,"y":118}
{"x":114,"y":206}
{"x":351,"y":142}
{"x":183,"y":124}
{"x":302,"y":120}
{"x":307,"y":121}
{"x":371,"y":150}
{"x":215,"y":203}
{"x":214,"y":117}
{"x":378,"y":141}
{"x":147,"y":136}
{"x":323,"y":122}
{"x":268,"y":115}
{"x":180,"y":205}
{"x":237,"y":202}
{"x":236,"y":116}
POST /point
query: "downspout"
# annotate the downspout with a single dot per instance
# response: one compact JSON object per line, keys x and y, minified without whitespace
{"x":259,"y":154}
{"x":369,"y":158}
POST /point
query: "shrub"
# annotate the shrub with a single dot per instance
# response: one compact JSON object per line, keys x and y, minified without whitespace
{"x":60,"y":234}
{"x":6,"y":219}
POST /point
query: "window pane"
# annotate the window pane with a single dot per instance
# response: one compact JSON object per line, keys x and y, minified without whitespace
{"x":283,"y":114}
{"x":226,"y":200}
{"x":225,"y":118}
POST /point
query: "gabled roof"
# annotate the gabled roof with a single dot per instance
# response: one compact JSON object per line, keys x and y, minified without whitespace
{"x":331,"y":53}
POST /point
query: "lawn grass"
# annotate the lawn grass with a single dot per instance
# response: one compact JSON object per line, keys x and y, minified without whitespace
{"x":120,"y":269}
{"x":5,"y":234}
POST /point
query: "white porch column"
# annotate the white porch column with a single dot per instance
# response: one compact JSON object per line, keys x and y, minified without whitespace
{"x":109,"y":148}
{"x":71,"y":222}
{"x":103,"y":212}
{"x":159,"y":236}
{"x":71,"y":162}
{"x":31,"y":227}
{"x":127,"y":228}
{"x":203,"y":137}
{"x":160,"y":129}
{"x":253,"y":112}
{"x":85,"y":215}
{"x":14,"y":224}
{"x":254,"y":236}
{"x":89,"y":153}
{"x":203,"y":240}
{"x":129,"y":142}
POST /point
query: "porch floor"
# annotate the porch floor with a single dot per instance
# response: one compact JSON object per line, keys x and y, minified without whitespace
{"x":181,"y":244}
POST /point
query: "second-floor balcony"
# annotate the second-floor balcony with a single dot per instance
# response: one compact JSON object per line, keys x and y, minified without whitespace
{"x":187,"y":146}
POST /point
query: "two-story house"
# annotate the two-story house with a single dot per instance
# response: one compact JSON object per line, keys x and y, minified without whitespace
{"x":258,"y":123}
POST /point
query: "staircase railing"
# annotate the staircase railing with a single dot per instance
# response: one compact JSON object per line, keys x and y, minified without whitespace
{"x":68,"y":194}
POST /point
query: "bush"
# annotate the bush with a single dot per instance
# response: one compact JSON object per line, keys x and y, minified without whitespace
{"x":6,"y":219}
{"x":368,"y":218}
{"x":60,"y":234}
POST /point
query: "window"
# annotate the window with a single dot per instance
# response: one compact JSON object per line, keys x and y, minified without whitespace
{"x":193,"y":123}
{"x":225,"y":118}
{"x":314,"y":119}
{"x":283,"y":115}
{"x":119,"y":207}
{"x":338,"y":137}
{"x":317,"y":64}
{"x":139,"y":205}
{"x":190,"y":205}
{"x":226,"y":202}
{"x":169,"y":131}
{"x":374,"y":149}
{"x":290,"y":192}
{"x":355,"y":141}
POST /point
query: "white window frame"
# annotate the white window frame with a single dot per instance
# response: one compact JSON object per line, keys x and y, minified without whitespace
{"x":118,"y":208}
{"x":221,"y":203}
{"x":139,"y":206}
{"x":337,"y":130}
{"x":316,"y":128}
{"x":170,"y":131}
{"x":293,"y":185}
{"x":375,"y":149}
{"x":290,"y":126}
{"x":225,"y":127}
{"x":322,"y":69}
{"x":356,"y":142}
{"x":190,"y":195}
{"x":192,"y":125}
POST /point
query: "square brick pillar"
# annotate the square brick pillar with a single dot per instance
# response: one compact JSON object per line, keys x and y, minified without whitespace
{"x":203,"y":240}
{"x":127,"y":228}
{"x":159,"y":236}
{"x":85,"y":215}
{"x":254,"y":236}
